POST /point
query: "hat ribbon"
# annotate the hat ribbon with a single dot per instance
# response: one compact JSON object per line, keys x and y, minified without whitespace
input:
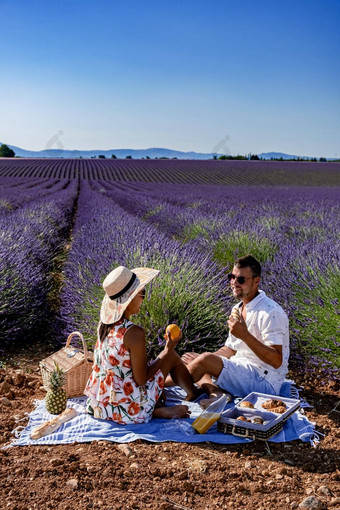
{"x":127,"y":286}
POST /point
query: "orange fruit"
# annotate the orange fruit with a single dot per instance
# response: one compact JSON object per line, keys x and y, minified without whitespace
{"x":173,"y":331}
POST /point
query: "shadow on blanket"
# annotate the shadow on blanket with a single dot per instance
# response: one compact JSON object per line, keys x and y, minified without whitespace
{"x":84,"y":428}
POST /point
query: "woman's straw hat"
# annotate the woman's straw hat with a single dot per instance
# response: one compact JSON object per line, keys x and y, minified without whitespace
{"x":121,"y":286}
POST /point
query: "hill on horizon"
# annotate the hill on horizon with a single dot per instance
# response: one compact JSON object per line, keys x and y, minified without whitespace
{"x":152,"y":152}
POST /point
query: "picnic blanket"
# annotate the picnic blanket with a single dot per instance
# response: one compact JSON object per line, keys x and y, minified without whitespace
{"x":84,"y":428}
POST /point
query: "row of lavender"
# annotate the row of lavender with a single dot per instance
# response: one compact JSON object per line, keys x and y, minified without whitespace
{"x":234,"y":172}
{"x":293,"y":232}
{"x":35,"y":220}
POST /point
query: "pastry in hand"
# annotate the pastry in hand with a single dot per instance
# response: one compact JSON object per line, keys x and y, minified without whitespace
{"x":272,"y":403}
{"x":235,"y":313}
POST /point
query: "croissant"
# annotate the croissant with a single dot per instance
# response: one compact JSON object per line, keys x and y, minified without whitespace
{"x":272,"y":403}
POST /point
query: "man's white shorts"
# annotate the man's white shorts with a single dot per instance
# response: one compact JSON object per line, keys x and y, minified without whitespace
{"x":240,"y":380}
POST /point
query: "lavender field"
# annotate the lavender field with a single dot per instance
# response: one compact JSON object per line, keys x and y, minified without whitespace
{"x":66,"y":223}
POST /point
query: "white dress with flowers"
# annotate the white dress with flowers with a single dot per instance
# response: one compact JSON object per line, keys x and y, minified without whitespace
{"x":112,"y":391}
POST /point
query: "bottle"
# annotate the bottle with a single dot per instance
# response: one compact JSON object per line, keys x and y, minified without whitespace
{"x":210,"y":415}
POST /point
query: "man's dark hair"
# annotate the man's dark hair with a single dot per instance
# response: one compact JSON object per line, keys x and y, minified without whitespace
{"x":249,"y":261}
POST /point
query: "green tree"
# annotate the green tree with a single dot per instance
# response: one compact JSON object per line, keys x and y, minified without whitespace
{"x":113,"y":156}
{"x":6,"y":152}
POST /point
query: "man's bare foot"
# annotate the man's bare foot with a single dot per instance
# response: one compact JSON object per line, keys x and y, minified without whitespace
{"x":179,"y":411}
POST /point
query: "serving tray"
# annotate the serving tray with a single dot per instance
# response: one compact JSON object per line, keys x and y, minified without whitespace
{"x":272,"y":422}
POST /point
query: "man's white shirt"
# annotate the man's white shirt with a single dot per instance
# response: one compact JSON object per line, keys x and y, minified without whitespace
{"x":268,"y":323}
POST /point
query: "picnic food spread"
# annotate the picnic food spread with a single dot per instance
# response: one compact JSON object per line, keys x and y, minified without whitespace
{"x":258,"y":415}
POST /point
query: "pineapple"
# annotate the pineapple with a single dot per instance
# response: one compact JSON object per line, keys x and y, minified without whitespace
{"x":56,"y":397}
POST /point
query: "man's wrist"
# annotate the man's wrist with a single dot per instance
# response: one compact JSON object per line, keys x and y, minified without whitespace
{"x":248,"y":337}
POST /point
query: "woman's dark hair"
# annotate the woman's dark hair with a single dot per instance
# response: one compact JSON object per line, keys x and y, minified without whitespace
{"x":249,"y":261}
{"x":104,"y":330}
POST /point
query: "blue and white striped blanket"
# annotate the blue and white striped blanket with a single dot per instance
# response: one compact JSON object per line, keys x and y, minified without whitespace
{"x":84,"y":428}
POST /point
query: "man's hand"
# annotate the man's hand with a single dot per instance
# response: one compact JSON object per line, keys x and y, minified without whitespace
{"x":188,"y":357}
{"x":238,"y":328}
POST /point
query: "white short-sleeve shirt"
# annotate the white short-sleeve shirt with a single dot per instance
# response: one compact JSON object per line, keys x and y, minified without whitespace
{"x":269,"y":324}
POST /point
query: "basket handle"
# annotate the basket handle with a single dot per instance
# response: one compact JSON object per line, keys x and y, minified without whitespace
{"x":247,"y":434}
{"x":86,"y":353}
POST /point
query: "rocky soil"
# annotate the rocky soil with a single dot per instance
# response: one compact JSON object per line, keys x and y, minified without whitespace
{"x":165,"y":476}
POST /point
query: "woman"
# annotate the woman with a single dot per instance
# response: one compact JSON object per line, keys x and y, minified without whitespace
{"x":123,"y":386}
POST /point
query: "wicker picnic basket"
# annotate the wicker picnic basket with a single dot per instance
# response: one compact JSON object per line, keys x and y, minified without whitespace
{"x":76,"y":363}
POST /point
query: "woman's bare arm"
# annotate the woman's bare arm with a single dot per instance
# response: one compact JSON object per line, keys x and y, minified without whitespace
{"x":134,"y":341}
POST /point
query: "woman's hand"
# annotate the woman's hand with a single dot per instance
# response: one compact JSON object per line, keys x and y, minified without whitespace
{"x":172,"y":342}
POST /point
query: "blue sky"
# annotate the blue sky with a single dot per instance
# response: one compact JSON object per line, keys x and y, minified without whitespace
{"x":247,"y":75}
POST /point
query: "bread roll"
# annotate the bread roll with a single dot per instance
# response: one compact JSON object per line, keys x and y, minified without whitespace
{"x":50,"y":426}
{"x":245,"y":403}
{"x":242,"y":418}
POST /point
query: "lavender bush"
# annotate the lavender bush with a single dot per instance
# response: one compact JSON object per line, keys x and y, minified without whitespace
{"x":31,"y":238}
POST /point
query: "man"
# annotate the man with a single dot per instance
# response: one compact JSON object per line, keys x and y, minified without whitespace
{"x":255,"y":355}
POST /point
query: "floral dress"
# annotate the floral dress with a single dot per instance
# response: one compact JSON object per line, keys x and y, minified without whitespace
{"x":112,"y":391}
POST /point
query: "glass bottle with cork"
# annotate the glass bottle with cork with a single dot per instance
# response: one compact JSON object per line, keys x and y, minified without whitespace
{"x":211,"y":414}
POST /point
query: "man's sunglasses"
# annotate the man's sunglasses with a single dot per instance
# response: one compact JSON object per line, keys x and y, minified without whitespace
{"x":240,"y":279}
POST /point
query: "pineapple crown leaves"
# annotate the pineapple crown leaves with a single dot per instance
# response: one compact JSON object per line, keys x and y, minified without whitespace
{"x":57,"y":378}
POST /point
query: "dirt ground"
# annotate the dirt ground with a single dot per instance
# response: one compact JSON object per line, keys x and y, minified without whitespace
{"x":164,"y":476}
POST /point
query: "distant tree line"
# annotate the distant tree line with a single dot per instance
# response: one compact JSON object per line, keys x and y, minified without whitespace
{"x":256,"y":157}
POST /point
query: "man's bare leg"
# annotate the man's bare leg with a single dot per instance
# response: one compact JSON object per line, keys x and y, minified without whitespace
{"x":214,"y":392}
{"x":202,"y":368}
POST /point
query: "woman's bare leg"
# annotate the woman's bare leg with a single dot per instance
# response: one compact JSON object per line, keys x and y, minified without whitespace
{"x":179,"y":411}
{"x":186,"y":358}
{"x":179,"y":375}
